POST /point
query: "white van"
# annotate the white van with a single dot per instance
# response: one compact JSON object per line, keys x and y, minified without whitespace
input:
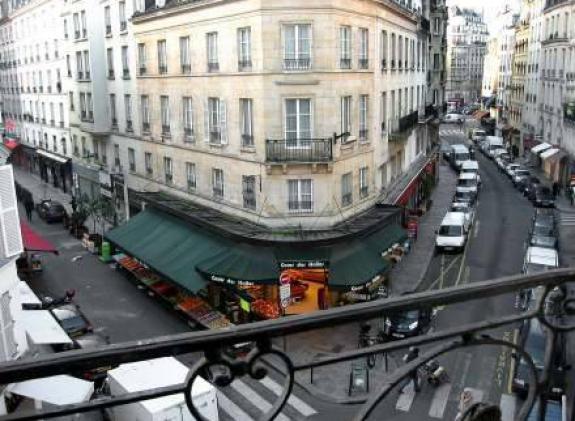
{"x":493,"y":143}
{"x":539,"y":259}
{"x":471,"y":167}
{"x":451,"y":234}
{"x":459,"y":153}
{"x":468,"y":182}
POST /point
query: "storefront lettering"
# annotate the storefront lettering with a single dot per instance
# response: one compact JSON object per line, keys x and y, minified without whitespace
{"x":317,"y":264}
{"x":230,"y":281}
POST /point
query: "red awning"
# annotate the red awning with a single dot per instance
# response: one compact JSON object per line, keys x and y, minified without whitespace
{"x":11,"y":144}
{"x":33,"y":241}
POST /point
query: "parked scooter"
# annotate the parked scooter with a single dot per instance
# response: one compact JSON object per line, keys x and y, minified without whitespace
{"x":434,"y":373}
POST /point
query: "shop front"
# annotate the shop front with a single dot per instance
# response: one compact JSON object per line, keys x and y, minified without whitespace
{"x":555,"y":165}
{"x":416,"y":195}
{"x":55,"y":169}
{"x":235,"y":280}
{"x":26,"y":158}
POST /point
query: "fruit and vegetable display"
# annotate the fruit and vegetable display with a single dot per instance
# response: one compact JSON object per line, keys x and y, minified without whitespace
{"x":265,"y":309}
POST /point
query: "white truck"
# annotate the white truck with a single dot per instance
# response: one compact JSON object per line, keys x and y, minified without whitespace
{"x":156,"y":373}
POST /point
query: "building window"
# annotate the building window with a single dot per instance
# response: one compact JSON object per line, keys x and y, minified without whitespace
{"x":68,"y":66}
{"x":191,"y":175}
{"x":90,"y":107}
{"x":84,"y":150}
{"x":110,"y":60}
{"x":75,"y":148}
{"x":244,"y":48}
{"x":122,"y":14}
{"x":125,"y":63}
{"x":132,"y":159}
{"x":345,"y":115}
{"x":168,"y":170}
{"x":384,"y":50}
{"x":345,"y":47}
{"x":162,"y":57}
{"x":185,"y":62}
{"x":64,"y":146}
{"x":71,"y":100}
{"x":142,"y":59}
{"x":297,"y":47}
{"x":165,"y":114}
{"x":298,"y":120}
{"x":363,"y":185}
{"x":218,"y":183}
{"x":117,"y":161}
{"x":212,"y":50}
{"x":300,"y":195}
{"x":76,"y":26}
{"x":436,"y":26}
{"x":363,"y":48}
{"x":87,"y":64}
{"x":187,"y":117}
{"x":249,"y":191}
{"x":113,"y":111}
{"x":83,"y":114}
{"x":128,"y":112}
{"x":79,"y":65}
{"x":215,"y":121}
{"x":392,"y":65}
{"x":363,"y":117}
{"x":145,"y":110}
{"x":246,"y":105}
{"x":148,"y":163}
{"x":108,"y":20}
{"x":346,"y":189}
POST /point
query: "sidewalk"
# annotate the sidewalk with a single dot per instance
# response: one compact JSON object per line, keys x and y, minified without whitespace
{"x":42,"y":190}
{"x":407,"y":275}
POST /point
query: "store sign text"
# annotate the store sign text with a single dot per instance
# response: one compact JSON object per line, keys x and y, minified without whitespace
{"x":230,"y":281}
{"x":303,"y":265}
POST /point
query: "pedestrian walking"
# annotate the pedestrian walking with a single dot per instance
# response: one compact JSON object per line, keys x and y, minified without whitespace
{"x":556,"y":189}
{"x":411,"y":355}
{"x":29,"y":207}
{"x":572,"y":195}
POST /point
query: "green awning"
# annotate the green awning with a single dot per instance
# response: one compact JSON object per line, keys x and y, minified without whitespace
{"x":241,"y":264}
{"x":356,"y":263}
{"x":168,"y":245}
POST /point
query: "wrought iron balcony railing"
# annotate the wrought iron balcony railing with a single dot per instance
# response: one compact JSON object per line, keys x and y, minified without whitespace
{"x":299,"y":150}
{"x":212,"y":345}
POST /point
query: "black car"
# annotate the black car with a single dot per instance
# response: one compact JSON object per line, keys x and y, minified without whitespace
{"x":407,"y":323}
{"x":529,"y":186}
{"x":72,"y":320}
{"x":465,"y":196}
{"x":51,"y":211}
{"x":538,"y":343}
{"x":544,"y":198}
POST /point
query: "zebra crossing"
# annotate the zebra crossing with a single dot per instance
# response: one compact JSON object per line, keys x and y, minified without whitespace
{"x":450,"y":131}
{"x":247,"y":399}
{"x":566,"y":219}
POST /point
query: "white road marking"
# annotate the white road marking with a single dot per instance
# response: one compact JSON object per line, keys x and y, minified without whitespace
{"x":508,"y":405}
{"x":439,"y":401}
{"x":255,"y":398}
{"x":230,"y":408}
{"x":293,"y":400}
{"x":406,"y":398}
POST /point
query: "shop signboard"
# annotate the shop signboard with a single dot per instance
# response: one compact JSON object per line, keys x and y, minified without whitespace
{"x":245,"y":305}
{"x":285,"y":290}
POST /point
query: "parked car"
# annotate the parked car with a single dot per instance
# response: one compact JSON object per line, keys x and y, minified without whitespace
{"x":477,"y":135}
{"x":529,"y":185}
{"x":471,"y":167}
{"x":453,"y":118}
{"x":543,"y":236}
{"x":467,"y":210}
{"x":510,"y":169}
{"x":51,"y":211}
{"x":407,"y":323}
{"x":468,"y":182}
{"x":518,"y":174}
{"x":445,"y":150}
{"x":538,"y":343}
{"x":544,"y":198}
{"x":452,"y":234}
{"x":502,"y":160}
{"x":72,"y":320}
{"x":464,"y":196}
{"x":459,"y":154}
{"x":540,"y":259}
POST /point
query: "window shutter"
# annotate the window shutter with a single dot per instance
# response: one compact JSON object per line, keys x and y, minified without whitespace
{"x":223,"y":122}
{"x":10,"y":237}
{"x":206,"y":122}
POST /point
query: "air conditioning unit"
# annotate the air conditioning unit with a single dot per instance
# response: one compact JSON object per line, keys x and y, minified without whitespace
{"x":10,"y":236}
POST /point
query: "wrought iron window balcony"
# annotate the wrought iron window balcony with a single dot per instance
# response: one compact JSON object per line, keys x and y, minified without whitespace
{"x":249,"y":200}
{"x":345,"y":63}
{"x":213,"y":66}
{"x":146,"y":127}
{"x":111,"y":74}
{"x":247,"y":139}
{"x":61,"y":124}
{"x":363,"y":135}
{"x":363,"y":191}
{"x":299,"y":150}
{"x":84,"y":33}
{"x":218,"y":192}
{"x":76,"y":34}
{"x":165,"y":129}
{"x":162,"y":69}
{"x":169,"y":178}
{"x":129,"y":126}
{"x":300,"y":206}
{"x":186,"y":68}
{"x":346,"y":199}
{"x":108,"y":29}
{"x":383,"y":64}
{"x":87,"y":75}
{"x":126,"y":73}
{"x":123,"y":25}
{"x":297,"y":63}
{"x":363,"y":63}
{"x":215,"y":137}
{"x":142,"y":70}
{"x":114,"y":123}
{"x":52,"y":123}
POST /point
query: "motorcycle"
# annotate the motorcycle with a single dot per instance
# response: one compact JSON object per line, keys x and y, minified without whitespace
{"x":434,"y":373}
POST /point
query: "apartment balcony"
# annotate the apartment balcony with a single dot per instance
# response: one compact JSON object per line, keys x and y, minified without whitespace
{"x":345,"y":63}
{"x":476,"y":335}
{"x":123,"y":25}
{"x":162,"y":69}
{"x":125,"y":74}
{"x":213,"y":66}
{"x":297,"y":63}
{"x":108,"y":30}
{"x":244,"y":65}
{"x":402,"y":131}
{"x":299,"y":150}
{"x":186,"y":68}
{"x":111,"y":74}
{"x":363,"y":63}
{"x":142,"y":70}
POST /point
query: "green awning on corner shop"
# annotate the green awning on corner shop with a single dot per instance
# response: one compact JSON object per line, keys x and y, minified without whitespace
{"x":188,"y":255}
{"x":167,"y":245}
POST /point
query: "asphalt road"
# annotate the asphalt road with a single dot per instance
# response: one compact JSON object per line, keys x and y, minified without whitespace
{"x":495,"y":248}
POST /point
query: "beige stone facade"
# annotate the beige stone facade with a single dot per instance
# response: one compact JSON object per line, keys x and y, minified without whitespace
{"x":295,"y":93}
